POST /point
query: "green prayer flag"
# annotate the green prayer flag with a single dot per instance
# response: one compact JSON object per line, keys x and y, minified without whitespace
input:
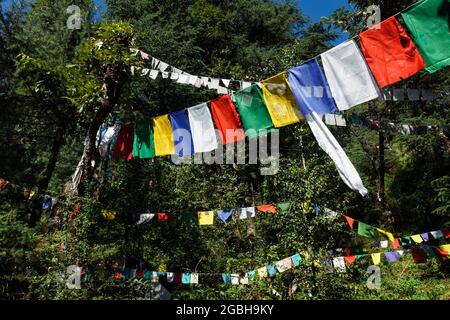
{"x":428,"y":23}
{"x":361,"y":256}
{"x":283,"y":207}
{"x":253,"y":111}
{"x":365,"y":230}
{"x":144,"y":146}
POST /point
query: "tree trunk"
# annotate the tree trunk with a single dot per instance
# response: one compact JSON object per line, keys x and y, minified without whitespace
{"x":36,"y":205}
{"x":112,"y":87}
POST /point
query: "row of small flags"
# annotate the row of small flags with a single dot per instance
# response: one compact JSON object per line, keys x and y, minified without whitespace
{"x":166,"y":71}
{"x":208,"y":217}
{"x":368,"y":231}
{"x":331,"y":265}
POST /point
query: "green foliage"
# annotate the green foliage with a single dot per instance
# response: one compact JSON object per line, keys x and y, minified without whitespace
{"x":53,"y":80}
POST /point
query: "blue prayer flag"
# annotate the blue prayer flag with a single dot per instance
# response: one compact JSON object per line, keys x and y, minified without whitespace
{"x":311,"y":89}
{"x":182,"y":133}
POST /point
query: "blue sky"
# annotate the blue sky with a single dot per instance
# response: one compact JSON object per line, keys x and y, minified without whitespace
{"x":315,"y":9}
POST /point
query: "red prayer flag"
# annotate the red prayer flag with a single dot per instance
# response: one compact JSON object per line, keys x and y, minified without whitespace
{"x":164,"y":217}
{"x":123,"y":149}
{"x":177,"y":279}
{"x":446,"y":233}
{"x":349,"y":259}
{"x":227,"y":120}
{"x":350,"y":221}
{"x":268,"y":208}
{"x":390,"y":53}
{"x":396,"y":244}
{"x":348,"y":251}
{"x":419,"y":255}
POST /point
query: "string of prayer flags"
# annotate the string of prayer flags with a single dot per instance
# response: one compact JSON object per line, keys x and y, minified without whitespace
{"x":311,"y":89}
{"x":182,"y":133}
{"x":253,"y":111}
{"x":206,"y":218}
{"x":144,"y":143}
{"x":331,"y":146}
{"x":280,"y":101}
{"x":390,"y":53}
{"x":428,"y":23}
{"x":164,"y":144}
{"x":227,"y":120}
{"x":202,"y":128}
{"x":123,"y":148}
{"x":349,"y":78}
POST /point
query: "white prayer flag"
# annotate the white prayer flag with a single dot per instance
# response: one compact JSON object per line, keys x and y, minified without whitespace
{"x":222,"y":90}
{"x":174,"y":76}
{"x":226,"y":82}
{"x":384,"y":244}
{"x":146,"y":217}
{"x":339,"y":264}
{"x":154,"y":74}
{"x":182,"y":78}
{"x":340,"y":121}
{"x":213,"y":84}
{"x":235,"y":279}
{"x":163,"y":66}
{"x":202,"y":128}
{"x":246,"y":84}
{"x":329,"y":144}
{"x":330,"y":120}
{"x":247,"y":213}
{"x":348,"y":75}
{"x":194,"y":278}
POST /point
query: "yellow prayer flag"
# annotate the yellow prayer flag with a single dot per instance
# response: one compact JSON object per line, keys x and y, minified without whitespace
{"x":389,"y":235}
{"x":376,"y":258}
{"x":417,"y":238}
{"x":445,"y":247}
{"x":206,"y":218}
{"x":280,"y":101}
{"x":162,"y":129}
{"x":262,"y":272}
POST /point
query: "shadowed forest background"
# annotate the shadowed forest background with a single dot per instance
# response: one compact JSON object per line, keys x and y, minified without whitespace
{"x":52,"y":87}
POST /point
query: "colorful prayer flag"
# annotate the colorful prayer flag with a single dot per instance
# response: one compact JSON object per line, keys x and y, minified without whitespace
{"x":390,"y":53}
{"x":349,"y":78}
{"x":376,"y":258}
{"x":206,"y":218}
{"x":253,"y":111}
{"x":144,"y":143}
{"x":123,"y":148}
{"x":428,"y":23}
{"x":227,"y":120}
{"x":280,"y":101}
{"x":164,"y":144}
{"x":350,"y":221}
{"x":202,"y":128}
{"x":181,"y":133}
{"x":311,"y":89}
{"x":268,"y":208}
{"x":365,"y":230}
